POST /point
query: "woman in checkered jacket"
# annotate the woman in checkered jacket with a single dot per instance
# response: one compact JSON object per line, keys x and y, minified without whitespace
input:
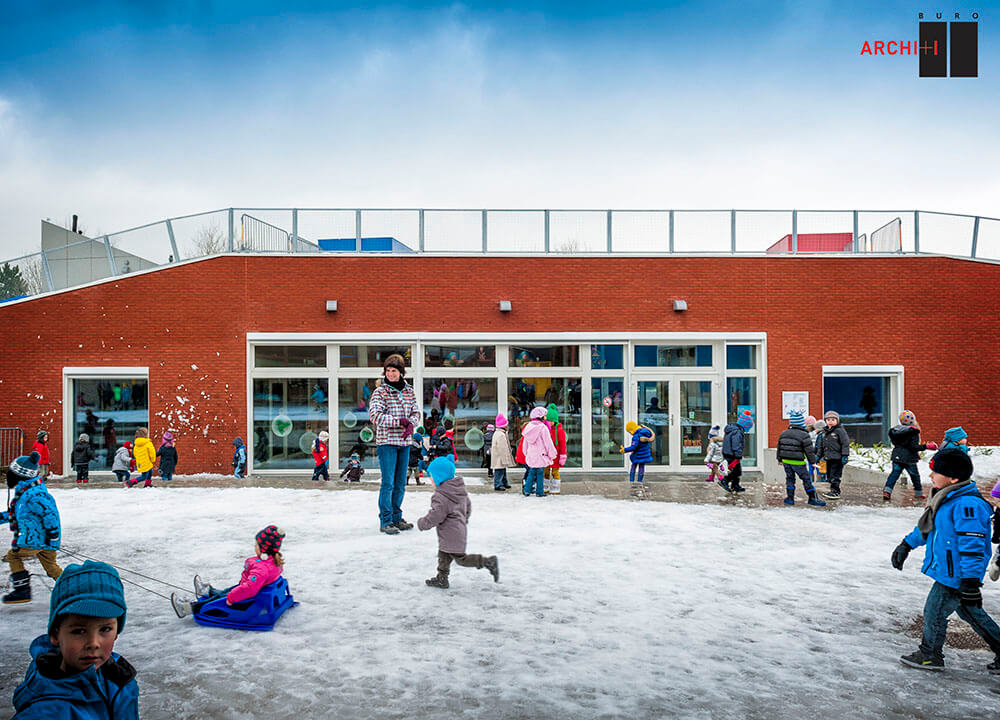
{"x":394,"y":412}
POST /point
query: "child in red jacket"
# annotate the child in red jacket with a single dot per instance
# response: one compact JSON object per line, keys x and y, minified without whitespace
{"x":258,"y":571}
{"x":41,"y":447}
{"x":321,"y":456}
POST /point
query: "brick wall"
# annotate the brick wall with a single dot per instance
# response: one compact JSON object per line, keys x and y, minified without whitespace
{"x":935,"y":316}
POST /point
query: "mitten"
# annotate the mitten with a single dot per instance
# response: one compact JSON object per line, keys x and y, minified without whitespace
{"x":994,"y":569}
{"x":844,"y":460}
{"x":900,"y":554}
{"x":932,"y":446}
{"x":970,"y":593}
{"x":407,"y":427}
{"x":562,"y":461}
{"x":621,"y":449}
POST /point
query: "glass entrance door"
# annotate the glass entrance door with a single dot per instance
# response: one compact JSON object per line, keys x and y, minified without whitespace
{"x":653,"y":411}
{"x":679,"y":412}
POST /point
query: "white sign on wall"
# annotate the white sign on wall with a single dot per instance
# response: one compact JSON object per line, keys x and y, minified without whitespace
{"x":794,"y":400}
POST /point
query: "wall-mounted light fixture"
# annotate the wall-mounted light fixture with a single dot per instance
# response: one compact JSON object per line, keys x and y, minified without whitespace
{"x":505,"y":306}
{"x":680,"y":305}
{"x":331,"y":306}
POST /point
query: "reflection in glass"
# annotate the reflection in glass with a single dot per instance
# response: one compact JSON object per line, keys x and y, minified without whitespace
{"x":673,"y":355}
{"x":861,"y":402}
{"x":471,"y":402}
{"x":652,"y":403}
{"x":526,"y":393}
{"x":289,"y":356}
{"x":741,"y":394}
{"x":741,"y":357}
{"x":356,"y":433}
{"x":110,"y":411}
{"x":607,"y":421}
{"x":696,"y":420}
{"x":352,"y":356}
{"x":607,"y":357}
{"x":288,"y":414}
{"x":459,"y":356}
{"x":545,"y":356}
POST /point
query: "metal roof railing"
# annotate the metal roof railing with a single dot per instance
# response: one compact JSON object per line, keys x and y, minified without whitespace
{"x":498,"y":231}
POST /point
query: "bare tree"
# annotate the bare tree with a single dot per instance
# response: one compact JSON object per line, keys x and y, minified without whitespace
{"x":210,"y":240}
{"x":570,"y":245}
{"x":35,"y":281}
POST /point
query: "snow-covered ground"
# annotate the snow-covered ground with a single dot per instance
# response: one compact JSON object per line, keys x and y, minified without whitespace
{"x":605,"y":609}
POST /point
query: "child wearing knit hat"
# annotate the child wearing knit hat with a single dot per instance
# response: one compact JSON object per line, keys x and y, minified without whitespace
{"x":449,"y":515}
{"x":733,"y":446}
{"x":500,"y":454}
{"x":262,"y":568}
{"x":795,"y":450}
{"x":956,"y":437}
{"x":74,"y":670}
{"x":713,"y":458}
{"x":321,"y":457}
{"x":994,"y":569}
{"x":906,"y":449}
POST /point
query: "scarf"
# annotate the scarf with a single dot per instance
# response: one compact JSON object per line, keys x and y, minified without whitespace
{"x":13,"y":503}
{"x":399,"y":384}
{"x":938,"y":497}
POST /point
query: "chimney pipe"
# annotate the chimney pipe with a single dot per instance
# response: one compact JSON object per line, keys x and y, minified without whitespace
{"x":74,"y":223}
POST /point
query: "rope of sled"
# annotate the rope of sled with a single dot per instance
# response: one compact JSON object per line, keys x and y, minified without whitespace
{"x":80,"y":555}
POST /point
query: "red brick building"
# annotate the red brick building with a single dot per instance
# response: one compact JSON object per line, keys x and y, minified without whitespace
{"x":250,"y":346}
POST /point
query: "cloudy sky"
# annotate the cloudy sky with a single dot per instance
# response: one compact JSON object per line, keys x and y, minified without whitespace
{"x":129,"y":112}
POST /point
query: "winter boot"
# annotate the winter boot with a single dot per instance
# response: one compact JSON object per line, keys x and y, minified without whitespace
{"x":919,"y":660}
{"x":493,"y":565}
{"x":994,"y":667}
{"x":181,"y":607}
{"x":886,"y":496}
{"x":202,"y":588}
{"x":814,"y":500}
{"x":789,"y":496}
{"x":389,"y":529}
{"x":401,"y":524}
{"x":724,"y":484}
{"x":21,"y":580}
{"x":438,"y":581}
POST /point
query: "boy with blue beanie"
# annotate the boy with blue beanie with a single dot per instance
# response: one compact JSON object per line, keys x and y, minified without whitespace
{"x":733,"y":445}
{"x":449,"y":513}
{"x":74,"y":672}
{"x":955,"y":527}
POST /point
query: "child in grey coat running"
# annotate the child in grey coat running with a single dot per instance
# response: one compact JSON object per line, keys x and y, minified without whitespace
{"x":449,"y":513}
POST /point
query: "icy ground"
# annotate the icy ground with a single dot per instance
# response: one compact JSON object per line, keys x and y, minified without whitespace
{"x":605,"y":609}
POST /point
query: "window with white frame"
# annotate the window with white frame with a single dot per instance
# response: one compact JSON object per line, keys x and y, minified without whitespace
{"x":867,"y":398}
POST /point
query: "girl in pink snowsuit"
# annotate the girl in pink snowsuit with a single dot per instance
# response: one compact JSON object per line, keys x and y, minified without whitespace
{"x":539,"y":452}
{"x":259,"y":570}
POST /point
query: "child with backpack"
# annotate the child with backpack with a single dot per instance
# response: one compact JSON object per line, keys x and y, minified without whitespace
{"x":82,"y":455}
{"x":733,"y":446}
{"x":321,"y":457}
{"x":956,"y":437}
{"x":906,"y":449}
{"x":258,"y":571}
{"x":553,"y":480}
{"x":487,"y":448}
{"x":168,"y":457}
{"x":122,"y":464}
{"x":443,"y":441}
{"x":795,"y":451}
{"x":145,"y":457}
{"x":239,"y":458}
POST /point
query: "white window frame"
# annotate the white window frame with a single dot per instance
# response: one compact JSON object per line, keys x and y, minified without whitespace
{"x":69,"y":374}
{"x":895,"y":373}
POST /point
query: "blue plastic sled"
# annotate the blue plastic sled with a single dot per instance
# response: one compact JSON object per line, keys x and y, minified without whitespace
{"x":260,"y":613}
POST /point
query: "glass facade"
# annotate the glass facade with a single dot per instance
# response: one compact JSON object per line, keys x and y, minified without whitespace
{"x":109,"y":411}
{"x":565,"y":393}
{"x":355,"y":433}
{"x":472,"y":403}
{"x":289,"y":356}
{"x":544,"y":355}
{"x":361,"y":356}
{"x":607,"y":422}
{"x":741,"y":357}
{"x":288,"y":414}
{"x":741,"y":394}
{"x":607,"y":357}
{"x":471,"y":381}
{"x":862,"y":402}
{"x":459,"y":356}
{"x":673,"y":355}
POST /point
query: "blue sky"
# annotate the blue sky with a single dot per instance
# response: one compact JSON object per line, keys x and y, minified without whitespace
{"x":128,"y":112}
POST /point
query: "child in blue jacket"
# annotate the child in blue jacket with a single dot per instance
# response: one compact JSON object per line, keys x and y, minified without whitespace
{"x":34,"y":520}
{"x":239,"y":458}
{"x":733,"y":445}
{"x":642,"y":436}
{"x":955,"y":527}
{"x":74,"y":672}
